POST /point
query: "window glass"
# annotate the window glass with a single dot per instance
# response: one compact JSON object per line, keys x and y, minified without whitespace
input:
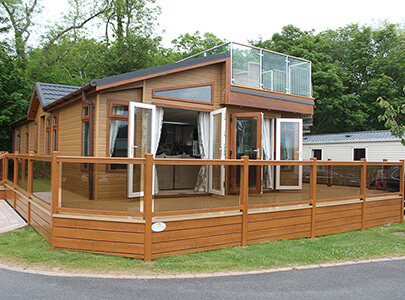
{"x":55,"y":120}
{"x":120,"y":110}
{"x":201,"y":93}
{"x":48,"y":123}
{"x":85,"y":111}
{"x":118,"y":143}
{"x":54,"y":141}
{"x":317,"y":153}
{"x":359,"y":153}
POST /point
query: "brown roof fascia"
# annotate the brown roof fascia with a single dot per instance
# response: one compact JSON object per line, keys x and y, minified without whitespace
{"x":18,"y":122}
{"x":115,"y":84}
{"x":72,"y":97}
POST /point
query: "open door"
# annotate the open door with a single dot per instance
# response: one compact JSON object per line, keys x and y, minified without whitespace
{"x":246,"y":141}
{"x":217,"y":151}
{"x":289,"y":147}
{"x":268,"y":153}
{"x":141,"y":129}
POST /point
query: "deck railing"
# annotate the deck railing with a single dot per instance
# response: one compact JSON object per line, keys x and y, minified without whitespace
{"x":50,"y":179}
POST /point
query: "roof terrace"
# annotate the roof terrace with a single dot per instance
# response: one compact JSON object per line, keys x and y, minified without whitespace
{"x":265,"y":69}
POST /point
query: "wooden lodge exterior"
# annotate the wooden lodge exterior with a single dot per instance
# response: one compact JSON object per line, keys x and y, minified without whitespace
{"x":197,"y":155}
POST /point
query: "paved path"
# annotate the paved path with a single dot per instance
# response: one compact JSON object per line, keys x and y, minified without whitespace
{"x":9,"y":219}
{"x":374,"y":280}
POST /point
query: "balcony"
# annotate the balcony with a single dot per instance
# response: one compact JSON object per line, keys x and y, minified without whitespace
{"x":264,"y":69}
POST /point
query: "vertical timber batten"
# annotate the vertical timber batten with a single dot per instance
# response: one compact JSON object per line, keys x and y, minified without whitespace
{"x":312,"y":193}
{"x":363,"y":192}
{"x":244,"y":184}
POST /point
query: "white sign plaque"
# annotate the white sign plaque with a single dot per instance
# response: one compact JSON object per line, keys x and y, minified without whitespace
{"x":158,"y":227}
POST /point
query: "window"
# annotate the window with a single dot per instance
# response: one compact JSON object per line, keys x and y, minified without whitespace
{"x":18,"y":140}
{"x":316,"y":153}
{"x":199,"y":93}
{"x":27,"y":138}
{"x":359,"y":153}
{"x":55,"y":132}
{"x":48,"y":137}
{"x":85,"y":134}
{"x":118,"y":132}
{"x":36,"y":137}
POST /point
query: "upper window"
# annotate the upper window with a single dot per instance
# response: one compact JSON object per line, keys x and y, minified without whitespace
{"x":316,"y":153}
{"x":200,"y":93}
{"x":118,"y":132}
{"x":359,"y":153}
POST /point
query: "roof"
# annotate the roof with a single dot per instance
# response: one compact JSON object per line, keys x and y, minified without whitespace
{"x":49,"y":92}
{"x":159,"y":69}
{"x":377,"y":135}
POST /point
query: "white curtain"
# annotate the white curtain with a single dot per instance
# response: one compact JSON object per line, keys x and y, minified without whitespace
{"x":158,"y":132}
{"x":203,"y":141}
{"x":267,"y":154}
{"x":115,"y":127}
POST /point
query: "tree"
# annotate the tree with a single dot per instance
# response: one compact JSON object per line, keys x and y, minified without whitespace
{"x":393,"y":118}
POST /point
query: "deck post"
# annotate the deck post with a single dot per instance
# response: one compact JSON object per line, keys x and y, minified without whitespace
{"x":329,"y":183}
{"x":244,"y":191}
{"x":401,"y":187}
{"x":147,"y":212}
{"x":15,"y":178}
{"x":29,"y":183}
{"x":312,"y":194}
{"x":385,"y":175}
{"x":5,"y":167}
{"x":55,"y":172}
{"x":55,"y":182}
{"x":363,"y":192}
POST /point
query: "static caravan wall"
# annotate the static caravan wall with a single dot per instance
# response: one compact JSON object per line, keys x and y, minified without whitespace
{"x":375,"y":151}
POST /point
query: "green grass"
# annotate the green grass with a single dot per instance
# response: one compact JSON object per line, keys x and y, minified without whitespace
{"x":29,"y":249}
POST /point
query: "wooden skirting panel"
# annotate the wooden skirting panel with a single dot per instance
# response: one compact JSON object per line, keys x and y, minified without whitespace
{"x":105,"y":237}
{"x":383,"y":212}
{"x":337,"y":218}
{"x":279,"y":225}
{"x":188,"y":236}
{"x":41,"y":220}
{"x":3,"y":194}
{"x":22,"y":205}
{"x":10,"y":197}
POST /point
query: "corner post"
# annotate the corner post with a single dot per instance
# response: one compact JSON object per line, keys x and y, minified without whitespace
{"x":363,"y":192}
{"x":147,"y":212}
{"x":55,"y":181}
{"x":15,"y":178}
{"x":401,"y":187}
{"x":312,"y":194}
{"x":30,"y":167}
{"x":244,"y":192}
{"x":5,"y":167}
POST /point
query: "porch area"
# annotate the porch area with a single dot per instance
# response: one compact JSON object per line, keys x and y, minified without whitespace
{"x":75,"y":204}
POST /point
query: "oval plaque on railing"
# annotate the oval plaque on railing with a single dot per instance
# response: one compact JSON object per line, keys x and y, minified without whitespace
{"x":158,"y":227}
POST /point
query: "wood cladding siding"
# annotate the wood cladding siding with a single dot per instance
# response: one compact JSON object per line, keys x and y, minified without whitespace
{"x":105,"y":237}
{"x":197,"y":235}
{"x":271,"y":100}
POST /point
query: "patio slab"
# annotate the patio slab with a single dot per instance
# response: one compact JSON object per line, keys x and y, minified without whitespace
{"x":9,"y":219}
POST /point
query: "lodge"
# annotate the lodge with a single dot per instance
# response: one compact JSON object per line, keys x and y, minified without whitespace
{"x":201,"y":154}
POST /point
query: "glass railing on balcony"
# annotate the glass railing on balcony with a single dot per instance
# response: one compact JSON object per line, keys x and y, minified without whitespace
{"x":265,"y":69}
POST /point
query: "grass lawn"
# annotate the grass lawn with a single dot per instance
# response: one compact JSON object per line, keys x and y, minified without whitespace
{"x":28,"y":249}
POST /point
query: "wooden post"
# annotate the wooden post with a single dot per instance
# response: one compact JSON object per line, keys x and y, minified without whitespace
{"x":401,"y":187}
{"x":329,"y":182}
{"x":147,"y":200}
{"x":363,"y":192}
{"x":55,"y":182}
{"x":29,"y":183}
{"x":22,"y":175}
{"x":244,"y":193}
{"x":54,"y":191}
{"x":385,"y":175}
{"x":312,"y":194}
{"x":5,"y":167}
{"x":15,"y":179}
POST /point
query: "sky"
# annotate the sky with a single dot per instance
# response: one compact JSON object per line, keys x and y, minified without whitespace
{"x":243,"y":20}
